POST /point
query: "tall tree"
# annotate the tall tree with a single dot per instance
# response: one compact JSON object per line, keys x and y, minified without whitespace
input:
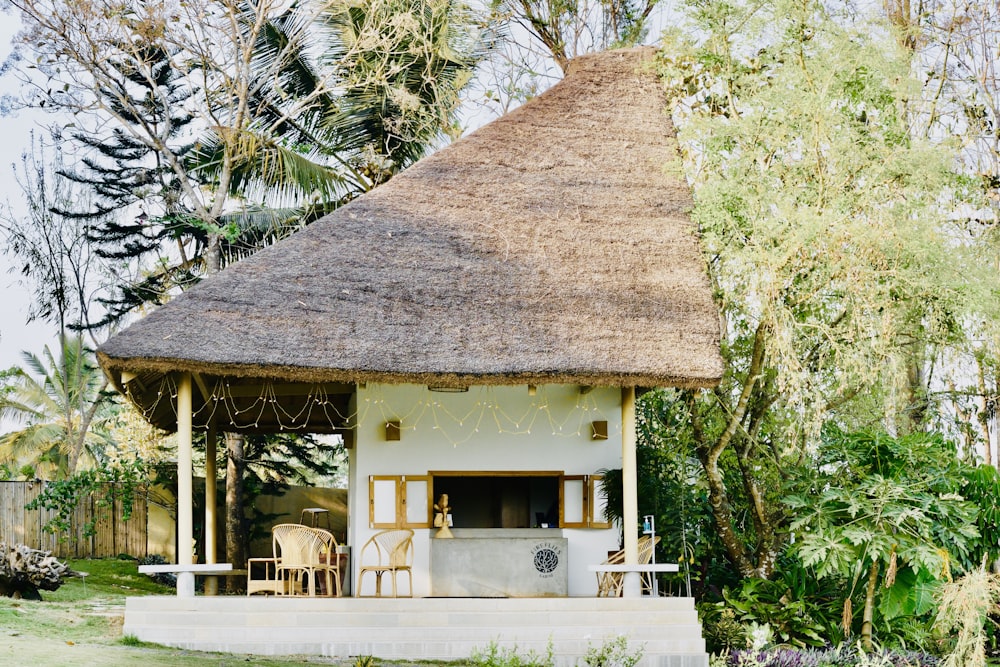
{"x":51,"y":248}
{"x":827,"y":228}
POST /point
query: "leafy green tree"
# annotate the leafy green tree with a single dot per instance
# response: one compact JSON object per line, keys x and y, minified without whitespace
{"x":871,"y":505}
{"x":830,"y":243}
{"x":57,"y":399}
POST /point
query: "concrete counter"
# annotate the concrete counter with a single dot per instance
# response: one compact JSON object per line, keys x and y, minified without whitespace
{"x":492,"y":563}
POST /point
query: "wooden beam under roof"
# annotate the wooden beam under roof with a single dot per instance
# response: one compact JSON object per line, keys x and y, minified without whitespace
{"x":278,"y":388}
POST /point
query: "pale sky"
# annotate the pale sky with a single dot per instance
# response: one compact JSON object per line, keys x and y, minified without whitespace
{"x":15,"y":334}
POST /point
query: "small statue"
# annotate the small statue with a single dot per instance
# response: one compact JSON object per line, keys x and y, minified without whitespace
{"x":442,"y":511}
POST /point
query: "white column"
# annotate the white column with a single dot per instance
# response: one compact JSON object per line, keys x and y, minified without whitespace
{"x":185,"y":500}
{"x":630,"y":498}
{"x":211,"y":438}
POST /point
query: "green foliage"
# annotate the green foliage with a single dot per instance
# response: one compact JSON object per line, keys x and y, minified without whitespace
{"x":671,"y":488}
{"x":872,"y":497}
{"x":721,"y":629}
{"x":106,"y":486}
{"x":911,"y":594}
{"x":982,"y":488}
{"x":830,"y":242}
{"x":497,"y":656}
{"x":612,"y":653}
{"x":132,"y":640}
{"x":870,"y":502}
{"x":799,"y":610}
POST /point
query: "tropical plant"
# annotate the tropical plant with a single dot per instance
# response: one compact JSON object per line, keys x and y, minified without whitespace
{"x":871,"y":506}
{"x":982,"y":488}
{"x":799,"y":609}
{"x":57,"y":399}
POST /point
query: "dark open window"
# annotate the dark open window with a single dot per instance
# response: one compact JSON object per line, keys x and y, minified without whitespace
{"x":501,"y":500}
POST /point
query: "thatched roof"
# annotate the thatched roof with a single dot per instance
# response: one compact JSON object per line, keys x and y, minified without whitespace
{"x":553,"y":245}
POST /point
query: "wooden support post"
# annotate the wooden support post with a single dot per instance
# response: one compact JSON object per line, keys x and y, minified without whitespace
{"x":632,"y":586}
{"x":211,"y":438}
{"x":185,"y":495}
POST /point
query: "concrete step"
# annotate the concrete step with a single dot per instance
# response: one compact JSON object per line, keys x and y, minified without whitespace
{"x":387,"y":605}
{"x":682,"y":635}
{"x":666,"y":628}
{"x":475,"y":620}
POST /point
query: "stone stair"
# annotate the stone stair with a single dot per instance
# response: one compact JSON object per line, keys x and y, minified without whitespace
{"x":666,"y":629}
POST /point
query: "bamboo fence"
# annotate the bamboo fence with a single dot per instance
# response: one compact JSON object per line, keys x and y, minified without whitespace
{"x":112,"y":534}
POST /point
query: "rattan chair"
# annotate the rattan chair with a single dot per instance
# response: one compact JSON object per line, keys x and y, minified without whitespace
{"x":609,"y":584}
{"x":269,"y":584}
{"x":301,"y":553}
{"x":392,"y":551}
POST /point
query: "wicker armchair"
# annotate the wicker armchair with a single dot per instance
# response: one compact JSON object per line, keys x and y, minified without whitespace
{"x":392,"y":551}
{"x":300,"y":553}
{"x":609,"y":584}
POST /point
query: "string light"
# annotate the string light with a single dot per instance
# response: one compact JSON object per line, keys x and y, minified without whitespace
{"x":457,"y":427}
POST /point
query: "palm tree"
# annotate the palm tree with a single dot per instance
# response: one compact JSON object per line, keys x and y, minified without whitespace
{"x":380,"y":89}
{"x":57,"y":400}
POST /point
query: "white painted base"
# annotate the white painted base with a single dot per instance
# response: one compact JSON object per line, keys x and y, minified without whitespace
{"x":666,"y":629}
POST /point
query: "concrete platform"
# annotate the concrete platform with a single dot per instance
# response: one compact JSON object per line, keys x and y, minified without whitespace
{"x":667,"y":629}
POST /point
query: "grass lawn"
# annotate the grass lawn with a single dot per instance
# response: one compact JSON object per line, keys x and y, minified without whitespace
{"x":80,"y":625}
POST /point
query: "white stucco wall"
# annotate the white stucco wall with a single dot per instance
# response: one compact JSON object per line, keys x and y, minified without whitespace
{"x":484,"y":429}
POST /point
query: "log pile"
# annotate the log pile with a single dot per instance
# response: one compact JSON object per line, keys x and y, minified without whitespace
{"x":24,"y":571}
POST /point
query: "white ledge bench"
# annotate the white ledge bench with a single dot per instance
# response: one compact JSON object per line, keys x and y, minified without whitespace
{"x":638,"y":568}
{"x":185,"y":584}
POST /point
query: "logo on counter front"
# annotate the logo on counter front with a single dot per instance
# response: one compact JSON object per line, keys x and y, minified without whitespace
{"x":546,"y":557}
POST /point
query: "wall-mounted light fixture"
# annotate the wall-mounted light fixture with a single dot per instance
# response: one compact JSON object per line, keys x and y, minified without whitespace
{"x":599,"y":430}
{"x":392,"y":429}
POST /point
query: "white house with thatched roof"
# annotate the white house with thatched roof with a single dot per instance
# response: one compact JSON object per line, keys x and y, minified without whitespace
{"x":477,"y":326}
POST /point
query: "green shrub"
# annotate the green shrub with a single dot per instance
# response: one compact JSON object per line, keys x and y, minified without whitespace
{"x":498,"y":656}
{"x":612,"y":653}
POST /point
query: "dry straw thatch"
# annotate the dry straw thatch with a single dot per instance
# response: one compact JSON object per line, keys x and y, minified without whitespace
{"x":551,"y":246}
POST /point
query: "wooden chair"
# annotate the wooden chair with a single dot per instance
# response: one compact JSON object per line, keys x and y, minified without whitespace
{"x":609,"y":584}
{"x":301,"y":553}
{"x":392,"y":551}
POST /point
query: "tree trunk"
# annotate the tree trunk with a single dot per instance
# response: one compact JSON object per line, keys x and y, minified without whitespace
{"x":236,"y":537}
{"x":761,"y":562}
{"x":866,"y":623}
{"x":80,"y":437}
{"x":984,"y":415}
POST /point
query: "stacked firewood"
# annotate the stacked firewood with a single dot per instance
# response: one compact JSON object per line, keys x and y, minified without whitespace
{"x":24,"y":571}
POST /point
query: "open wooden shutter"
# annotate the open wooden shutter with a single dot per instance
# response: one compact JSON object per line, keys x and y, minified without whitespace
{"x":416,"y":493}
{"x":582,"y":502}
{"x":573,"y":501}
{"x":598,"y":502}
{"x":384,"y":501}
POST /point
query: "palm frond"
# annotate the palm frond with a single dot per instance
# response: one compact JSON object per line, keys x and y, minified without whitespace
{"x":262,"y":168}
